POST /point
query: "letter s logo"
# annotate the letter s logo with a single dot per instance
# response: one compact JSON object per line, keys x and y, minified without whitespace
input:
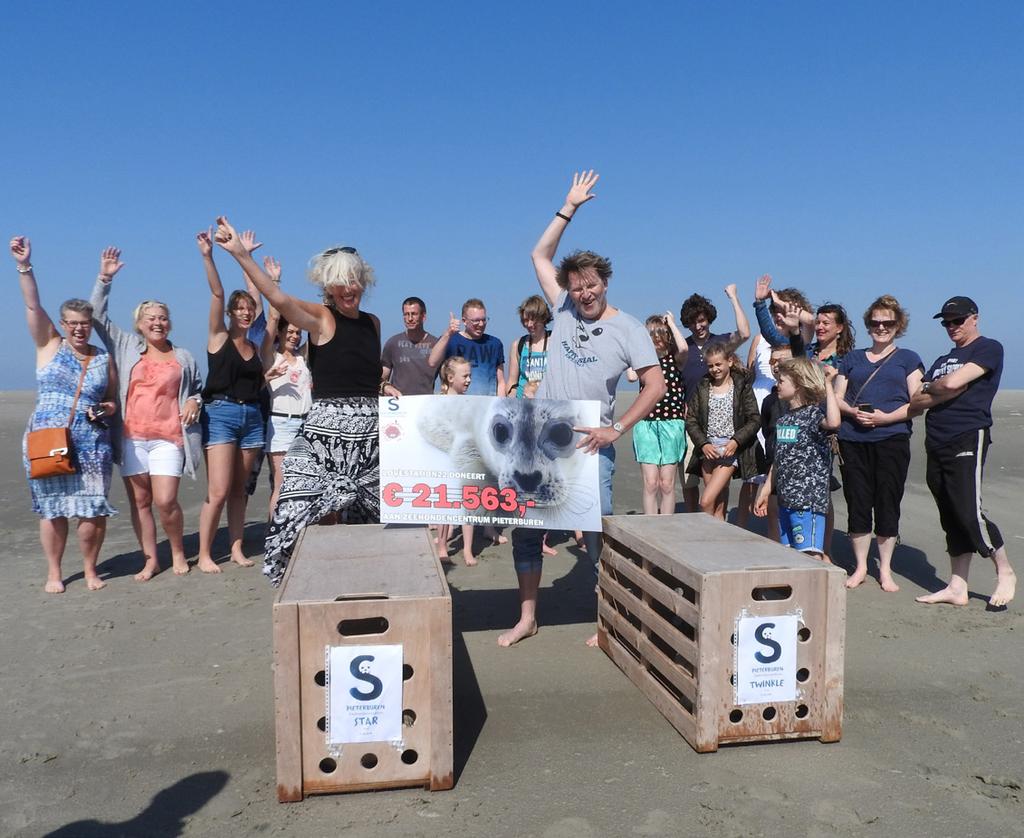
{"x":392,"y":403}
{"x":763,"y":636}
{"x":360,"y":668}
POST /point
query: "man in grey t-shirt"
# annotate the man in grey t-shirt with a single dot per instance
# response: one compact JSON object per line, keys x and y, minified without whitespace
{"x":404,"y":357}
{"x":591,"y":345}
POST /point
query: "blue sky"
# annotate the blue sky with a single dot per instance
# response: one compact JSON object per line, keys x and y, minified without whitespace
{"x":847,"y":149}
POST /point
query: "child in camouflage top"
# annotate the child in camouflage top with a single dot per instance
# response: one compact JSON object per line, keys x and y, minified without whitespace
{"x":803,"y":457}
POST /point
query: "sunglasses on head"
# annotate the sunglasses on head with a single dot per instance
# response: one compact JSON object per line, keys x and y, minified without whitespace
{"x":955,"y":321}
{"x":334,"y":250}
{"x":881,"y":324}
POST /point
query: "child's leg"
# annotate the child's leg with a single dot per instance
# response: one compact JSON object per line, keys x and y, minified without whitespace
{"x":649,"y":472}
{"x":667,"y":489}
{"x":715,"y":497}
{"x":467,"y":545}
{"x":443,"y":533}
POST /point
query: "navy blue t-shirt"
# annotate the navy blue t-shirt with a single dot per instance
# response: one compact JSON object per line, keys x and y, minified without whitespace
{"x":886,"y":392}
{"x":972,"y":409}
{"x":484,"y":356}
{"x":695,"y":368}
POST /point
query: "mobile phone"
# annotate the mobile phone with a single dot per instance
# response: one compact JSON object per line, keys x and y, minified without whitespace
{"x":866,"y":407}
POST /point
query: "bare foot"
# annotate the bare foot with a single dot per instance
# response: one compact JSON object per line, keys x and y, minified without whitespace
{"x":548,"y":551}
{"x":241,"y":560}
{"x":207,"y":565}
{"x":180,"y":566}
{"x":470,"y":559}
{"x":94,"y":583}
{"x":947,"y":596}
{"x":149,"y":570}
{"x":888,"y":583}
{"x":501,"y":539}
{"x":858,"y":576}
{"x":1006,"y":587}
{"x":592,"y":640}
{"x":520,"y":631}
{"x":54,"y":586}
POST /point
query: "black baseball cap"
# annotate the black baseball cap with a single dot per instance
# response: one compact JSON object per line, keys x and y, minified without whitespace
{"x":957,"y":307}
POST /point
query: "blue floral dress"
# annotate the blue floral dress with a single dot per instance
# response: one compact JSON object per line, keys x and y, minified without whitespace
{"x":84,"y":493}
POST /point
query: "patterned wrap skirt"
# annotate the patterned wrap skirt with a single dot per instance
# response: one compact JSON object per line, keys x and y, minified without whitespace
{"x":332,"y":466}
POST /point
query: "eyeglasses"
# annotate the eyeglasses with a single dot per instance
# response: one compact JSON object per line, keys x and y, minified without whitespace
{"x":77,"y":324}
{"x":580,"y":336}
{"x":950,"y":324}
{"x":881,"y":324}
{"x":479,"y":321}
{"x":334,"y":250}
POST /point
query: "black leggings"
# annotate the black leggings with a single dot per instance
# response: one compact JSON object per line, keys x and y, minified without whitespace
{"x":874,"y":474}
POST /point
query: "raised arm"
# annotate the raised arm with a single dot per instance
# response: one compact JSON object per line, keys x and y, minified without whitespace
{"x":289,"y":306}
{"x":436,"y":355}
{"x":682,"y":347}
{"x":216,"y":330}
{"x":833,"y":418}
{"x":40,"y":326}
{"x":742,"y":326}
{"x":544,"y":251}
{"x":112,"y":335}
{"x":251,"y":245}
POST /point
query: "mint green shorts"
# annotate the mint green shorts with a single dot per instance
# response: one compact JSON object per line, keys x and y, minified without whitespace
{"x":660,"y":442}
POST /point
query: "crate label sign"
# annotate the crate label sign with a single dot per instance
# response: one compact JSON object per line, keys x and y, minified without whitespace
{"x":364,"y":694}
{"x":766,"y":659}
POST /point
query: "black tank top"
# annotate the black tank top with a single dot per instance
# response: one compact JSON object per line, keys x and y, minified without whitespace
{"x":229,"y":374}
{"x":349,"y":363}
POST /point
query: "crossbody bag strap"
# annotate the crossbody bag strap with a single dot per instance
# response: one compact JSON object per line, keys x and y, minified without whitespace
{"x":78,"y":391}
{"x":875,"y":372}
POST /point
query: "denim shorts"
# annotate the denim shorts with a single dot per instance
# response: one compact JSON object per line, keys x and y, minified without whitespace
{"x":226,"y":422}
{"x":281,"y":430}
{"x":802,"y":529}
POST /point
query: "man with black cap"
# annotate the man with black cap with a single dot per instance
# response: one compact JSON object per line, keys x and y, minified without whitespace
{"x":957,"y":392}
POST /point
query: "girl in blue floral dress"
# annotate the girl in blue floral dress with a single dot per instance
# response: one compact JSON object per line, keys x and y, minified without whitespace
{"x":59,"y":365}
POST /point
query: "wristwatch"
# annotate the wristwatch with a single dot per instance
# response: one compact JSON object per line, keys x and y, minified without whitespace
{"x":617,"y":426}
{"x":926,"y":387}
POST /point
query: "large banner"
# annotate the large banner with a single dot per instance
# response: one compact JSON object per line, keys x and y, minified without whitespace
{"x":488,"y":460}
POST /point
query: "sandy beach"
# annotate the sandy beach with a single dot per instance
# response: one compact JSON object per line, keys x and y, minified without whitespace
{"x":147,"y":709}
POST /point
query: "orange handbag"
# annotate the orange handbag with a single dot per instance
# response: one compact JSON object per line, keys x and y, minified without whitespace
{"x":49,"y":449}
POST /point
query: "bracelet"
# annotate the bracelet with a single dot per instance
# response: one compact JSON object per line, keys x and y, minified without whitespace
{"x":563,"y":216}
{"x":24,"y":269}
{"x":383,"y":384}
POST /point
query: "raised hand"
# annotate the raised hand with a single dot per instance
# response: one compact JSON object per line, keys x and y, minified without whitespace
{"x":730,"y":290}
{"x":830,"y":373}
{"x":790,"y":313}
{"x":582,"y":183}
{"x":453,"y":323}
{"x":228,"y":238}
{"x":110,"y":262}
{"x":204,"y":241}
{"x":21,"y":250}
{"x":272,"y":267}
{"x":280,"y":368}
{"x":249,"y":240}
{"x":762,"y":288}
{"x":668,"y":317}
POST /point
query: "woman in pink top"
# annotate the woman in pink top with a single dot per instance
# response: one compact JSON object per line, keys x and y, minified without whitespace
{"x":159,"y":437}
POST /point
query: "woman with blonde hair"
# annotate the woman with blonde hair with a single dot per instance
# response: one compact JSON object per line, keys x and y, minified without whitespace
{"x":332,"y":466}
{"x":874,"y":389}
{"x":156,"y":436}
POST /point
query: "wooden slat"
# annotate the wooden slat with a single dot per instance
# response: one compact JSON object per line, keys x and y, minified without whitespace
{"x":664,"y":702}
{"x":441,"y":756}
{"x":651,"y":618}
{"x":650,"y":653}
{"x":673,"y":601}
{"x":835,"y":652}
{"x":287,"y":701}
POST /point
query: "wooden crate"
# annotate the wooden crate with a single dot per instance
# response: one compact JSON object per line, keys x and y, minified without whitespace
{"x":671,"y":589}
{"x":344,"y":573}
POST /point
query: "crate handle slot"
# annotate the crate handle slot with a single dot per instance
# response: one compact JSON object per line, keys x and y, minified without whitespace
{"x":366,"y":625}
{"x":767,"y":593}
{"x":358,"y":597}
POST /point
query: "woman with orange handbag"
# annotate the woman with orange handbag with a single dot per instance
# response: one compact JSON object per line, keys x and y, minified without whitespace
{"x":77,"y":384}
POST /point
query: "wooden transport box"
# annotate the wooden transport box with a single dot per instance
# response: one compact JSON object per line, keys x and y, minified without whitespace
{"x":362,"y":585}
{"x":671,"y":588}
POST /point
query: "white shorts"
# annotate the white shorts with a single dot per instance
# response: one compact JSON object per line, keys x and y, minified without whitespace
{"x":152,"y":456}
{"x":281,"y":430}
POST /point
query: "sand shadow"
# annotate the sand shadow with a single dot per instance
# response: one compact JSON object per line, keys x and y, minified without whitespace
{"x":166,"y":814}
{"x":470,"y":711}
